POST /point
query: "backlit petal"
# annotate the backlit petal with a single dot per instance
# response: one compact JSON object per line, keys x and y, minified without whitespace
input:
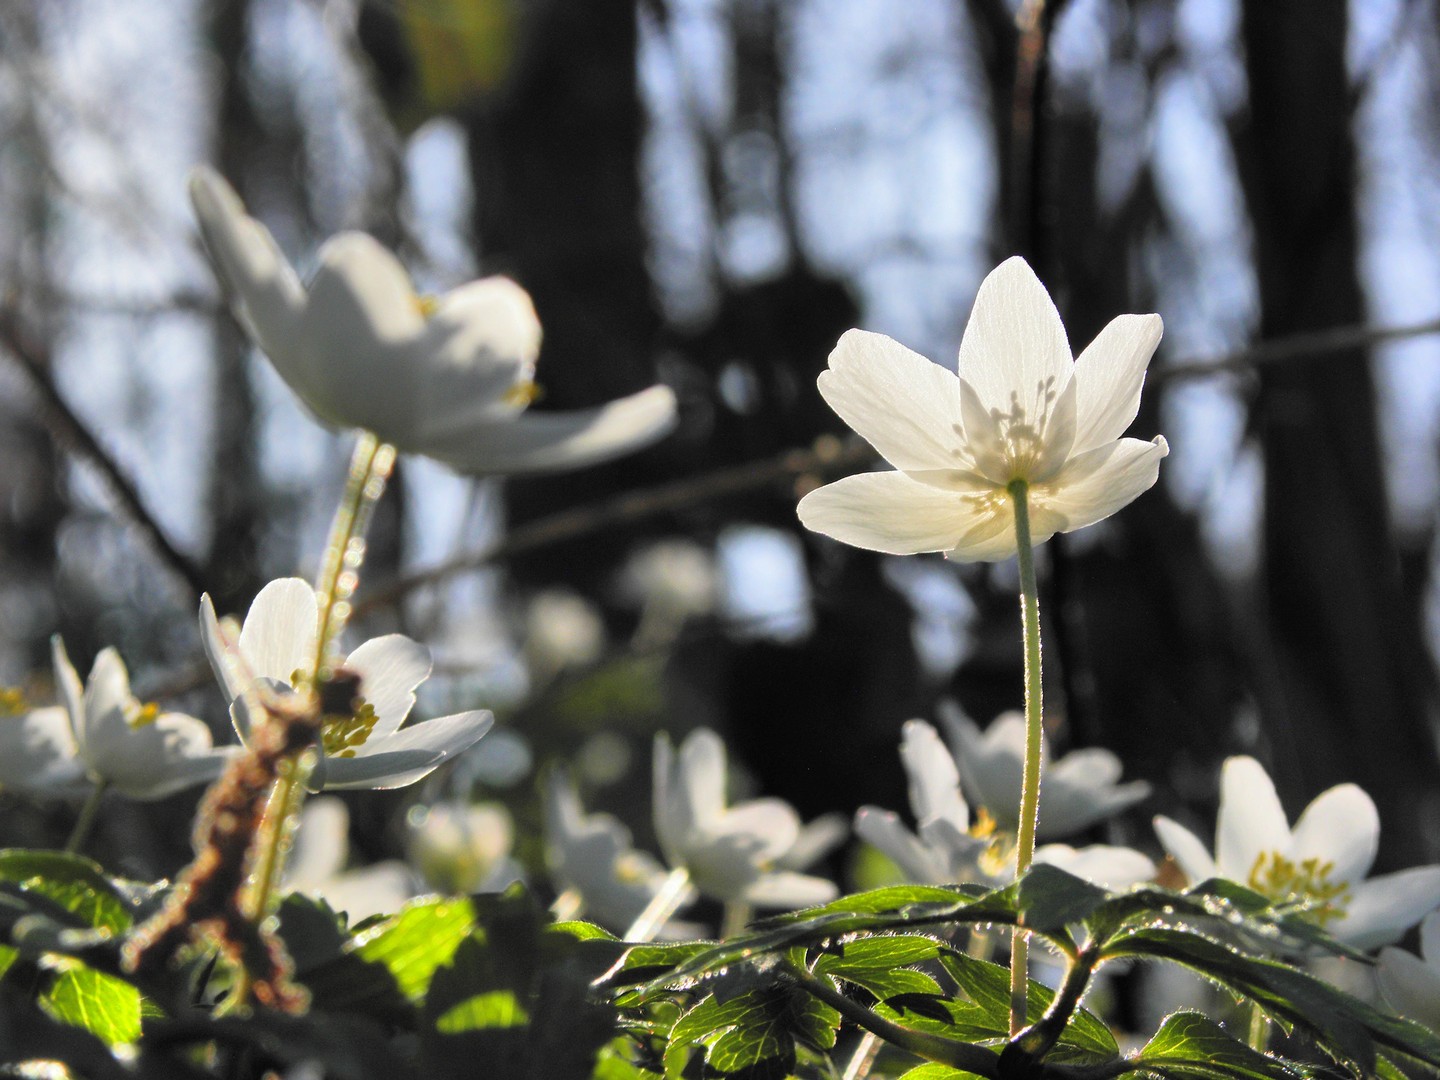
{"x":898,"y":401}
{"x":410,"y":754}
{"x":390,"y":668}
{"x":1094,"y":485}
{"x":1341,"y":826}
{"x":1109,"y":375}
{"x":789,"y":890}
{"x":890,"y":512}
{"x":279,"y":633}
{"x":1383,"y":908}
{"x":934,"y":779}
{"x":1252,"y":821}
{"x":1187,"y":849}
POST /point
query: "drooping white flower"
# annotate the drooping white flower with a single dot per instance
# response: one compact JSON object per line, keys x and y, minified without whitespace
{"x":1410,"y":983}
{"x":593,"y":855}
{"x":447,"y":378}
{"x":732,"y":853}
{"x":367,"y":749}
{"x":948,"y":849}
{"x":1079,"y":789}
{"x":1020,"y":408}
{"x":133,"y":747}
{"x":462,"y":848}
{"x":1322,"y":863}
{"x":317,"y":866}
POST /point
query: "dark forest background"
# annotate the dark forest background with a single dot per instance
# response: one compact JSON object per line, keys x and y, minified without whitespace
{"x":711,"y":193}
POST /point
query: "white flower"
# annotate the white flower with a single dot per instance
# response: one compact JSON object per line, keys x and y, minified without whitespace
{"x":1020,"y":409}
{"x":950,"y":850}
{"x":135,"y":748}
{"x":447,"y":378}
{"x":276,"y":648}
{"x":1077,"y":791}
{"x":462,"y":848}
{"x":37,"y":749}
{"x":677,"y":576}
{"x":1322,"y":863}
{"x":592,"y":854}
{"x":1411,"y":984}
{"x":317,"y":866}
{"x":732,"y":853}
{"x":562,"y":630}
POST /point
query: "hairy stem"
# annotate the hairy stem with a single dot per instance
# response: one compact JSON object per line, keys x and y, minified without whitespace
{"x":1034,"y":705}
{"x":86,"y":821}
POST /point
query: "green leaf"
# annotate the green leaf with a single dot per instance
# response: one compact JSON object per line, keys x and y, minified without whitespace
{"x":747,"y":1047}
{"x":933,"y":1070}
{"x":107,"y":1007}
{"x":1189,"y":1044}
{"x":882,"y":951}
{"x":75,"y":883}
{"x":1051,"y":898}
{"x":413,"y":943}
{"x":492,"y":1009}
{"x":889,"y":984}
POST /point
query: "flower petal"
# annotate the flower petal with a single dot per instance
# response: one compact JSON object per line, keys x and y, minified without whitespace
{"x":103,"y":725}
{"x":362,"y":317}
{"x":1430,"y":938}
{"x":883,"y":830}
{"x":1015,"y":353}
{"x":817,"y":839}
{"x":322,"y":843}
{"x":1094,"y":485}
{"x":155,"y":759}
{"x":378,"y":889}
{"x":789,"y":890}
{"x":902,"y":404}
{"x":1341,"y":826}
{"x":1383,"y":908}
{"x":72,"y":694}
{"x":770,"y":826}
{"x":890,"y":512}
{"x":539,"y":441}
{"x":220,"y":651}
{"x":279,"y":635}
{"x":390,"y":668}
{"x":1187,"y":849}
{"x":38,"y":754}
{"x":1109,"y":375}
{"x":1411,"y":986}
{"x":700,"y":771}
{"x":410,"y":754}
{"x":934,"y":779}
{"x":991,"y":765}
{"x":992,"y":538}
{"x":271,"y":298}
{"x":1251,"y":821}
{"x":1100,"y":864}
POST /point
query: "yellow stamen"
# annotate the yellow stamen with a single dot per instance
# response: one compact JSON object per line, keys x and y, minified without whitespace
{"x":144,"y":715}
{"x":1306,"y":884}
{"x":12,"y":701}
{"x":343,"y":733}
{"x":427,"y":305}
{"x":521,"y":394}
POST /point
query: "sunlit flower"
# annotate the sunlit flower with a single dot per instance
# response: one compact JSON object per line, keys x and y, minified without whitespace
{"x":1079,"y":789}
{"x":447,"y":377}
{"x":1021,"y":408}
{"x":133,"y":747}
{"x":317,"y":866}
{"x":1321,"y":864}
{"x":277,"y":646}
{"x":462,"y":848}
{"x":593,"y":855}
{"x":38,"y":755}
{"x":1411,"y":984}
{"x":948,"y":848}
{"x":562,"y":630}
{"x":732,"y":853}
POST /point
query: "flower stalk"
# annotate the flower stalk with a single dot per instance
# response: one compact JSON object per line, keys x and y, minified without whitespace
{"x":1019,"y":491}
{"x":86,"y":821}
{"x":662,"y":906}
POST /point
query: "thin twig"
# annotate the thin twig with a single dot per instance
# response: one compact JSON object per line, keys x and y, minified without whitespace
{"x":1292,"y":347}
{"x":71,"y":433}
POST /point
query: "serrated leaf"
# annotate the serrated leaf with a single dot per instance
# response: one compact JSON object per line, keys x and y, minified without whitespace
{"x":881,"y":951}
{"x":752,"y":1047}
{"x":77,"y":884}
{"x":888,"y":984}
{"x":1189,"y":1044}
{"x":107,"y":1007}
{"x":413,"y":943}
{"x":1050,"y":898}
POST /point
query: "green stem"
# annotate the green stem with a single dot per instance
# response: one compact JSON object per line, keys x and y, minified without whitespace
{"x":1259,"y":1038}
{"x":965,"y":1056}
{"x":1030,"y":787}
{"x":1035,"y":1042}
{"x":276,"y":832}
{"x":662,"y":905}
{"x":863,"y":1059}
{"x":736,"y":917}
{"x":86,"y":821}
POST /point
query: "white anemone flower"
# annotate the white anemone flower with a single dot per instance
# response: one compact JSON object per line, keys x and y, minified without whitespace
{"x":133,"y":747}
{"x":1322,"y":863}
{"x":1079,"y":788}
{"x":462,"y":848}
{"x":948,"y":849}
{"x":734,"y":853}
{"x":316,"y":866}
{"x":446,"y":377}
{"x":368,"y":749}
{"x":38,"y":755}
{"x":1411,"y":984}
{"x":593,"y":855}
{"x":1020,"y":409}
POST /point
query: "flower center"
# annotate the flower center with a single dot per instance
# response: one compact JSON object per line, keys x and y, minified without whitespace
{"x":521,"y":394}
{"x":1306,"y":883}
{"x":1023,"y":441}
{"x":630,"y":869}
{"x":138,"y":715}
{"x":12,"y":701}
{"x":342,"y":734}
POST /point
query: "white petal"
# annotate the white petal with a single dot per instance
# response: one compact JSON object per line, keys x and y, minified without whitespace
{"x":540,"y":441}
{"x":771,"y":825}
{"x":882,"y":830}
{"x":817,"y":839}
{"x":411,"y":754}
{"x":787,"y":889}
{"x":1014,"y":352}
{"x":701,"y":774}
{"x":390,"y":668}
{"x":38,"y":754}
{"x":991,"y":765}
{"x":934,"y":779}
{"x":103,"y":721}
{"x":1100,"y":864}
{"x":221,"y":651}
{"x":1430,"y":938}
{"x":890,"y":512}
{"x":1187,"y":849}
{"x":1384,"y":907}
{"x":1109,"y":375}
{"x":258,"y":275}
{"x":362,"y":318}
{"x":1251,"y":821}
{"x":984,"y":436}
{"x":279,"y":635}
{"x":1411,"y":986}
{"x":1340,"y":826}
{"x":670,"y":808}
{"x":1094,"y":485}
{"x":169,"y":754}
{"x":992,"y":538}
{"x":902,"y":404}
{"x":322,"y":843}
{"x":1057,"y":435}
{"x":380,"y":889}
{"x":67,"y":679}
